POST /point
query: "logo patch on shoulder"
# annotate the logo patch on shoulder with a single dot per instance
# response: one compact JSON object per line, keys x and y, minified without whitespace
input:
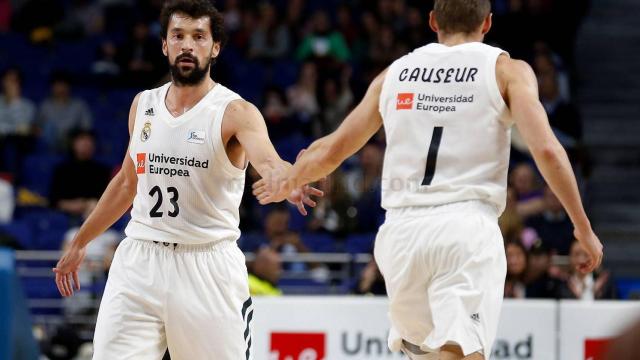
{"x":196,"y":136}
{"x":145,"y":134}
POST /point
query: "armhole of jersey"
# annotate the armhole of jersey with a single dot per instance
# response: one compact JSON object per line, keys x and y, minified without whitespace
{"x":135,"y":130}
{"x":382,"y":100}
{"x":218,"y":144}
{"x":494,"y":90}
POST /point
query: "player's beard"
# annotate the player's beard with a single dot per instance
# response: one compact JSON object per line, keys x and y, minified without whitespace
{"x":192,"y":76}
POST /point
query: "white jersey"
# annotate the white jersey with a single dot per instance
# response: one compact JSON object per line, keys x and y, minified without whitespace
{"x":447,"y":128}
{"x":188,"y":189}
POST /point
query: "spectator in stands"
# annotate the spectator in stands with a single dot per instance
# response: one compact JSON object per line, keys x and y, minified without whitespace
{"x":17,"y":118}
{"x":346,"y":25}
{"x":270,"y":40}
{"x":539,"y":279}
{"x":143,"y":65}
{"x":7,"y":201}
{"x":510,"y":221}
{"x":61,"y":113}
{"x":302,"y":95}
{"x":363,"y":184}
{"x":553,"y":224}
{"x":5,"y":15}
{"x":106,"y":68}
{"x":514,"y":286}
{"x":17,"y":113}
{"x":336,"y":100}
{"x":37,"y":19}
{"x":324,"y":46}
{"x":82,"y":18}
{"x":264,"y":273}
{"x":591,"y":286}
{"x":78,"y":182}
{"x":371,"y":281}
{"x":524,"y":181}
{"x":232,"y":16}
{"x":94,"y":269}
{"x":278,"y":114}
{"x":276,"y":234}
{"x":563,"y":115}
{"x":334,"y":212}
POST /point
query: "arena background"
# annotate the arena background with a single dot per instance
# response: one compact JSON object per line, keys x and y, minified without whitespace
{"x":70,"y":70}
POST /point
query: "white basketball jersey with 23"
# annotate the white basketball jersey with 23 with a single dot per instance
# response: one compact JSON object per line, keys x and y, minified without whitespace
{"x":188,"y":191}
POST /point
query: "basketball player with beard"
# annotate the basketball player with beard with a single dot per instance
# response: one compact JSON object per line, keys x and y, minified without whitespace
{"x":178,"y":279}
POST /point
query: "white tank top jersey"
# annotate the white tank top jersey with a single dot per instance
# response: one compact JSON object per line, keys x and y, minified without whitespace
{"x":188,"y":190}
{"x":447,"y":127}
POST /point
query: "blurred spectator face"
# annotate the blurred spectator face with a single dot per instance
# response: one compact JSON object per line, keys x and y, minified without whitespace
{"x":414,"y":18}
{"x":387,"y":38}
{"x":369,"y":23}
{"x":267,"y":14}
{"x":539,"y":263}
{"x":516,"y":260}
{"x":60,"y":89}
{"x":275,"y":107}
{"x":330,"y":91}
{"x":515,"y":5}
{"x":83,"y":147}
{"x":343,"y":16}
{"x":371,"y":157}
{"x":190,"y":48}
{"x":523,"y":179}
{"x":308,"y":74}
{"x":548,"y":86}
{"x":11,"y":84}
{"x":268,"y":265}
{"x":551,"y":201}
{"x":321,"y":23}
{"x":276,"y":222}
{"x":140,"y":32}
{"x":578,"y":255}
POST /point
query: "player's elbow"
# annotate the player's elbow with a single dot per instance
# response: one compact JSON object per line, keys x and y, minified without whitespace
{"x":549,"y":152}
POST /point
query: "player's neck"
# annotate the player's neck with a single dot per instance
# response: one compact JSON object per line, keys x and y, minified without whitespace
{"x":180,"y":98}
{"x":459,"y":38}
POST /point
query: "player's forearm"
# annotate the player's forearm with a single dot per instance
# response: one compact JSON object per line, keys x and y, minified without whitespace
{"x":113,"y":203}
{"x":318,"y":161}
{"x":556,"y":169}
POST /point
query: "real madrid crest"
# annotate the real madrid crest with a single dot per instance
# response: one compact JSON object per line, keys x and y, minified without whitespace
{"x":146,"y":131}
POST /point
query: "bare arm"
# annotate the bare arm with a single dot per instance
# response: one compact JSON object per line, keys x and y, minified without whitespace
{"x":327,"y":153}
{"x":115,"y":200}
{"x":244,"y":121}
{"x":521,"y":93}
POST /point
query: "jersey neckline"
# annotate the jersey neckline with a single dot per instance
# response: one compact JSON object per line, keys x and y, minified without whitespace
{"x":175,"y":121}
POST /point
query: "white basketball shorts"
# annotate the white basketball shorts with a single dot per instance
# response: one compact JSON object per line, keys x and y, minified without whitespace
{"x":192,"y":298}
{"x":444,"y":268}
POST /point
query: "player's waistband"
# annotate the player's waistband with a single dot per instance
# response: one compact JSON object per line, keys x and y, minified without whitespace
{"x":205,"y":247}
{"x":456,"y":207}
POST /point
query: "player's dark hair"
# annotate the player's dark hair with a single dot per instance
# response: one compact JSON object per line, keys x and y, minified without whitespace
{"x":194,"y":9}
{"x":461,"y":16}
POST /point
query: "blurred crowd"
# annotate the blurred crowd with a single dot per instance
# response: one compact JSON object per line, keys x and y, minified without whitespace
{"x":304,"y":63}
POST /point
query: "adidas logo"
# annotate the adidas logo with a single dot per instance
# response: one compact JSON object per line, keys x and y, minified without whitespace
{"x":475,"y":317}
{"x":149,"y":112}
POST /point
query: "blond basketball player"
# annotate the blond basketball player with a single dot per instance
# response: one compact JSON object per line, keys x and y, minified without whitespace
{"x":447,"y":110}
{"x":178,"y":279}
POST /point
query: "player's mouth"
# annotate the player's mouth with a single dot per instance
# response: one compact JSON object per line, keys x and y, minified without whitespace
{"x":186,"y":61}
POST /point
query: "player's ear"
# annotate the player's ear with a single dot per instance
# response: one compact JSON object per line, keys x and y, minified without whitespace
{"x":433,"y":24}
{"x":486,"y":25}
{"x":165,"y":47}
{"x":215,"y":51}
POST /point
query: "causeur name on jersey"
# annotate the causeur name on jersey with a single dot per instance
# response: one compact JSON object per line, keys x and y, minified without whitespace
{"x":173,"y":160}
{"x":441,"y":75}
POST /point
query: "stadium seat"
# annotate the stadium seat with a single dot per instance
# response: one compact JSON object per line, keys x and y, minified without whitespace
{"x":21,"y":231}
{"x":360,"y":243}
{"x":37,"y":172}
{"x":319,"y":242}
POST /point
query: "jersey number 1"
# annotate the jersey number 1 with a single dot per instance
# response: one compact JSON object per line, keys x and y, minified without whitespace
{"x":432,"y":156}
{"x":174,"y":201}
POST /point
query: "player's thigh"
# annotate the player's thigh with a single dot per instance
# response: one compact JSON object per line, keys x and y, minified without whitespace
{"x":210,"y":311}
{"x":128,"y":324}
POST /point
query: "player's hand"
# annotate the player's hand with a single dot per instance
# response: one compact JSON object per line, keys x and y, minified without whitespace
{"x":302,"y":196}
{"x":67,"y":270}
{"x":593,"y":247}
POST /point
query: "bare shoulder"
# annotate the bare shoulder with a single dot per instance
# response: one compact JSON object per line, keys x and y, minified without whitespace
{"x":509,"y":69}
{"x":240,"y":110}
{"x":378,"y":81}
